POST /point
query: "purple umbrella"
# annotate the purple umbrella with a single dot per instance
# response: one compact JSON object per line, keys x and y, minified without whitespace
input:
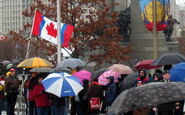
{"x":83,"y":74}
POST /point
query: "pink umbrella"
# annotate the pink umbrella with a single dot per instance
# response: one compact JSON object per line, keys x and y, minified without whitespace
{"x":122,"y":69}
{"x":103,"y":77}
{"x":83,"y":74}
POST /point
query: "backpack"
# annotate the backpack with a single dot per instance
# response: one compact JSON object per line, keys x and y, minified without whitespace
{"x":95,"y":103}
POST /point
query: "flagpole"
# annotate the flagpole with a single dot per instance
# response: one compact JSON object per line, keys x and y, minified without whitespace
{"x":29,"y":41}
{"x":155,"y":34}
{"x":58,"y":32}
{"x":66,"y":51}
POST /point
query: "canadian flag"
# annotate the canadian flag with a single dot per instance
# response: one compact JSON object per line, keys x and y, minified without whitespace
{"x":47,"y":29}
{"x":2,"y":37}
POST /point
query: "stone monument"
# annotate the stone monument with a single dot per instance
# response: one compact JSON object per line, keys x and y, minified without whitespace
{"x":142,"y":39}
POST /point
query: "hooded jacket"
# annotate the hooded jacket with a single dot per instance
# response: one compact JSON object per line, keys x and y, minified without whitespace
{"x":110,"y":92}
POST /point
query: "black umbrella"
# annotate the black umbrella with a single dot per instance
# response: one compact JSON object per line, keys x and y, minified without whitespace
{"x":147,"y":96}
{"x":169,"y":58}
{"x":129,"y":81}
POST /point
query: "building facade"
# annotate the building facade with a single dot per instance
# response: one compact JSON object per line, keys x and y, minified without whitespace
{"x":11,"y":15}
{"x":0,"y":17}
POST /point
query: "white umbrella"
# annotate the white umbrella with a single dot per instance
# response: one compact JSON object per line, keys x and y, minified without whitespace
{"x":62,"y":84}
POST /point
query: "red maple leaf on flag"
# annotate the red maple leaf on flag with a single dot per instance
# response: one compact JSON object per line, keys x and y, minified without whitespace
{"x":51,"y":30}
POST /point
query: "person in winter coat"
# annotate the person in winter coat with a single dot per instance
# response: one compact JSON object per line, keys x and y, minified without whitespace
{"x":57,"y":105}
{"x":2,"y":96}
{"x":11,"y":91}
{"x":143,"y":111}
{"x":166,"y":108}
{"x":31,"y":100}
{"x":110,"y":93}
{"x":142,"y":78}
{"x":95,"y":90}
{"x":82,"y":103}
{"x":41,"y":98}
{"x":157,"y":77}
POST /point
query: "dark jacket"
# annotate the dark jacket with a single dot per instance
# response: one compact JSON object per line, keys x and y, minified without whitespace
{"x":56,"y":101}
{"x":169,"y":106}
{"x":12,"y":84}
{"x":95,"y":90}
{"x":111,"y":93}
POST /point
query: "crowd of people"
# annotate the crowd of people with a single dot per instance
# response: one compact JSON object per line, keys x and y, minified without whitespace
{"x":92,"y":100}
{"x":169,"y":108}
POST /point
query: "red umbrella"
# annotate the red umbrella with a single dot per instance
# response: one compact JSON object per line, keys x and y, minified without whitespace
{"x":145,"y":64}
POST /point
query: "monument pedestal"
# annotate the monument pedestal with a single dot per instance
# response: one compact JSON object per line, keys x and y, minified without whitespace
{"x":143,"y":46}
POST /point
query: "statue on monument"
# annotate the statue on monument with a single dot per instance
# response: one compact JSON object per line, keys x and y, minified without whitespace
{"x":169,"y":30}
{"x":125,"y":24}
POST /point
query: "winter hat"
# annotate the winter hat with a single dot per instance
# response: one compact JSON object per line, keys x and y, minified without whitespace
{"x":166,"y":71}
{"x":12,"y":70}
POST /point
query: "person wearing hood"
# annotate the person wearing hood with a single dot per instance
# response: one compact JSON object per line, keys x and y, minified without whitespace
{"x":142,"y":78}
{"x":110,"y":93}
{"x":94,"y":91}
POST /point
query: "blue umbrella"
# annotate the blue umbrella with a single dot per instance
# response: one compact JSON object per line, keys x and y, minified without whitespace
{"x":178,"y":73}
{"x":62,"y":84}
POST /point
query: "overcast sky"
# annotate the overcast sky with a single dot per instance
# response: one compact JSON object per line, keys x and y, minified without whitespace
{"x":180,"y":2}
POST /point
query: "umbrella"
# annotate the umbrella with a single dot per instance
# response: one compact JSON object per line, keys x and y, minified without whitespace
{"x":99,"y":72}
{"x":71,"y":63}
{"x":169,"y":59}
{"x":9,"y":66}
{"x":83,"y":74}
{"x":122,"y":69}
{"x":62,"y":84}
{"x":178,"y":72}
{"x":62,"y":69}
{"x":145,"y":64}
{"x":102,"y":79}
{"x":148,"y":95}
{"x":129,"y":81}
{"x":16,"y":61}
{"x":42,"y":70}
{"x":34,"y":63}
{"x":6,"y":62}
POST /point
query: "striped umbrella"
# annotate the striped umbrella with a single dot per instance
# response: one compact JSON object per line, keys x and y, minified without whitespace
{"x":102,"y":79}
{"x":35,"y":62}
{"x":62,"y":84}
